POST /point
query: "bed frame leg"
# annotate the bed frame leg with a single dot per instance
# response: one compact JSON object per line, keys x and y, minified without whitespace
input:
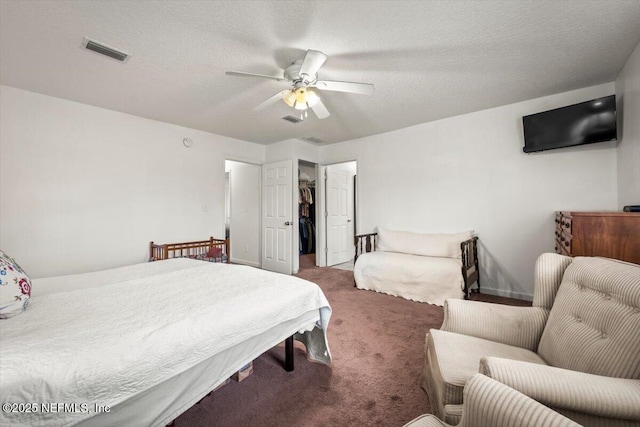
{"x":288,"y":354}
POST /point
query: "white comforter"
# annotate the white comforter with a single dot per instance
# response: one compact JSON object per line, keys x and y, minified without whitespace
{"x":413,"y":277}
{"x":110,"y":341}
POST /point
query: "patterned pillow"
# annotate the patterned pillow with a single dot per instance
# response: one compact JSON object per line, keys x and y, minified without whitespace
{"x":214,"y":252}
{"x":15,"y":287}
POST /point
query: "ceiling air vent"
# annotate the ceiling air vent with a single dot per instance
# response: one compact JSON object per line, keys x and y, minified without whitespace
{"x":313,"y":139}
{"x":291,"y":119}
{"x":105,"y":50}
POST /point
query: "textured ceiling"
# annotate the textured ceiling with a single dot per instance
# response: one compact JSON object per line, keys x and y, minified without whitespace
{"x":427,"y":59}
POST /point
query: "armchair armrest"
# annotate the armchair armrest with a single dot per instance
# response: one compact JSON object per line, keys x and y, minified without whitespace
{"x":517,"y":326}
{"x":547,"y":278}
{"x":563,"y":389}
{"x":488,"y":402}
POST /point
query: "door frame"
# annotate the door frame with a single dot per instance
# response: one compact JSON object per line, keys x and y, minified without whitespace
{"x":296,"y":213}
{"x":224,"y":170}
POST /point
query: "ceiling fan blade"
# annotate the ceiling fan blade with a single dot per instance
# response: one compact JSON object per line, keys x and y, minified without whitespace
{"x":320,"y":110}
{"x":269,"y":102}
{"x":351,"y":87}
{"x":262,"y":76}
{"x":313,"y":60}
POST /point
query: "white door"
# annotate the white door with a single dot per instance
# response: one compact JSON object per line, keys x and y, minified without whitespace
{"x":277,"y":215}
{"x":339,"y":190}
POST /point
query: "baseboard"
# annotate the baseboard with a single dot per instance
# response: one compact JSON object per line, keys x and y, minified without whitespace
{"x":245,"y":262}
{"x":506,"y":293}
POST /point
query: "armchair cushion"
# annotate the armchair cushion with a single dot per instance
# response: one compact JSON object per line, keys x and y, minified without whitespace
{"x":594,"y":324}
{"x":562,"y":389}
{"x":518,"y":326}
{"x":456,"y":361}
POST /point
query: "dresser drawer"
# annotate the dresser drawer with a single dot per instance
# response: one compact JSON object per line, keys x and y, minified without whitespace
{"x":558,"y":219}
{"x":605,"y":234}
{"x":565,"y":223}
{"x":565,"y":242}
{"x":562,"y":248}
{"x":558,"y":247}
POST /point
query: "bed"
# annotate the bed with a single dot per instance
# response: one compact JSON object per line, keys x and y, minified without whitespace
{"x":148,"y":341}
{"x":420,"y":267}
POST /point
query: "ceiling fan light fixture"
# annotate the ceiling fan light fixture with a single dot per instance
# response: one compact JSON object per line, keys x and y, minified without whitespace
{"x":289,"y":97}
{"x":301,"y":98}
{"x":312,"y":98}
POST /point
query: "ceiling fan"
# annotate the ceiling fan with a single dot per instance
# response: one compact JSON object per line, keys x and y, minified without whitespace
{"x":302,"y":75}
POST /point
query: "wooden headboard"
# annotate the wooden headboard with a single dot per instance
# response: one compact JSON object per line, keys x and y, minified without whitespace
{"x":215,"y":250}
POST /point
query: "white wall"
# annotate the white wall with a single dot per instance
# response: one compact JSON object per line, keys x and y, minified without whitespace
{"x":84,"y":188}
{"x":469,"y":172}
{"x":294,"y":149}
{"x":306,"y":169}
{"x":628,"y":99}
{"x":245,"y":212}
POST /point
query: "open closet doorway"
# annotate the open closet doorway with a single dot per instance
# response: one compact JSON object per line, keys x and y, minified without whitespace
{"x":307,"y":214}
{"x":243,"y":211}
{"x":340,"y":217}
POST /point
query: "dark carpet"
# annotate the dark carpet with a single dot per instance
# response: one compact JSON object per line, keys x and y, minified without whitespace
{"x":377,"y":344}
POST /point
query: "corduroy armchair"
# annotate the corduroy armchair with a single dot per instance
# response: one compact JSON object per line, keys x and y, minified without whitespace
{"x":576,"y":350}
{"x":489,"y":403}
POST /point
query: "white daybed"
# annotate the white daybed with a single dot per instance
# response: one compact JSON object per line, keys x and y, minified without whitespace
{"x":149,"y":340}
{"x":420,"y":267}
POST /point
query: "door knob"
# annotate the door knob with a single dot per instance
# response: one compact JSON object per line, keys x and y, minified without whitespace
{"x":288,"y":223}
{"x":348,"y":220}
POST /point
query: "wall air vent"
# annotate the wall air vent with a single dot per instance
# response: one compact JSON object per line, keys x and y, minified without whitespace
{"x":313,"y":139}
{"x":291,"y":119}
{"x":105,"y":50}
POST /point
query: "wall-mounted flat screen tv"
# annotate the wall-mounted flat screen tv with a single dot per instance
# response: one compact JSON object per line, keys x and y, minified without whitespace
{"x":584,"y":123}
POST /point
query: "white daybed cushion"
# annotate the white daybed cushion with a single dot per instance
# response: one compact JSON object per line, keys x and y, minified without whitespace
{"x":434,"y":245}
{"x":111,"y":342}
{"x":417,"y":278}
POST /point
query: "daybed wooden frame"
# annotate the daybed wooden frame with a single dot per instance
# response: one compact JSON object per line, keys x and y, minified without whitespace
{"x":470,"y":268}
{"x":195,"y":250}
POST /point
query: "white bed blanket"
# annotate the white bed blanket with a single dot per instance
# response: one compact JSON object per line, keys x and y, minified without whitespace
{"x":414,"y":277}
{"x":109,"y":342}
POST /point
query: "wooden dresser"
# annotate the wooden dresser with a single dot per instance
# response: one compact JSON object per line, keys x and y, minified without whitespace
{"x":607,"y":234}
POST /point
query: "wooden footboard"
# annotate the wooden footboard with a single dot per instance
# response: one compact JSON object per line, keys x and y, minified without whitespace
{"x":364,"y":243}
{"x":470,"y":267}
{"x":214,"y":250}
